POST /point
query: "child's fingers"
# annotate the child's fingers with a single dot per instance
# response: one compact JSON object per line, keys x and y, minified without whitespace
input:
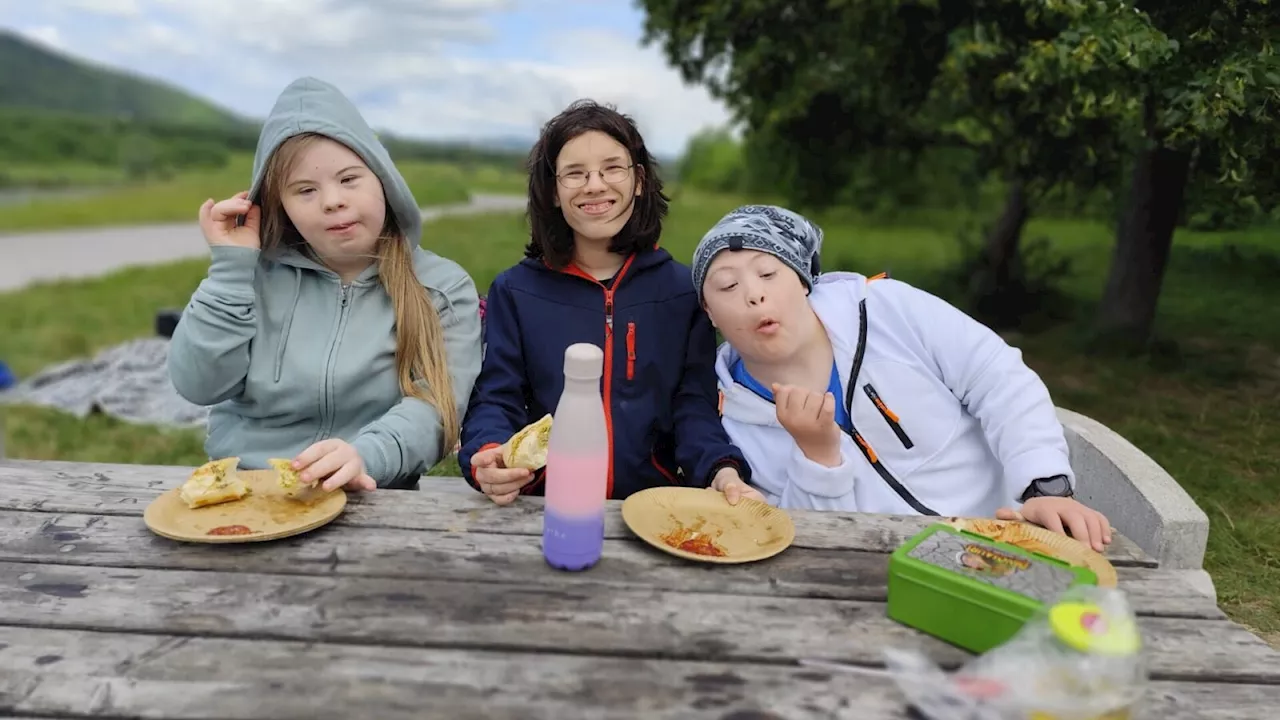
{"x":504,"y":499}
{"x":827,"y":410}
{"x":228,"y":209}
{"x":345,"y":473}
{"x":1093,"y":526}
{"x":502,"y":476}
{"x":733,"y":492}
{"x":488,"y":457}
{"x":325,"y":466}
{"x":1052,"y":522}
{"x":786,"y":396}
{"x":502,"y":488}
{"x":313,"y":453}
{"x":253,"y":218}
{"x":1078,"y":526}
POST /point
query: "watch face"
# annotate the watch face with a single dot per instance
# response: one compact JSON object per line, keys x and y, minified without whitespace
{"x":1057,"y":486}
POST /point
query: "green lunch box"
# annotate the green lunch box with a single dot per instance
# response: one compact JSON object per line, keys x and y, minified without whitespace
{"x":972,"y":591}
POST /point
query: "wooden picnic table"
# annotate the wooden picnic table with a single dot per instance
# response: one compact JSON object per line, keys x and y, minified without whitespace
{"x":438,"y":604}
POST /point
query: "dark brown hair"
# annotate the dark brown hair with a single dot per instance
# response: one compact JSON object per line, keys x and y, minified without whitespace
{"x":551,"y":238}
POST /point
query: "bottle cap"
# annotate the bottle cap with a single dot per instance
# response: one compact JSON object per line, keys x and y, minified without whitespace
{"x":1088,"y":628}
{"x":583,"y":361}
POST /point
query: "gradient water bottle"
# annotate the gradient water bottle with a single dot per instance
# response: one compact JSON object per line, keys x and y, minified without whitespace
{"x":577,"y":465}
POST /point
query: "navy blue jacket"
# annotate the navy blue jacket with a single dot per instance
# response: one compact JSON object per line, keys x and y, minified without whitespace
{"x":659,"y":384}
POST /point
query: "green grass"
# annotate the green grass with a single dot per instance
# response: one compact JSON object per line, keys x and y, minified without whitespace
{"x":178,"y":199}
{"x":63,"y":175}
{"x":1207,"y":407}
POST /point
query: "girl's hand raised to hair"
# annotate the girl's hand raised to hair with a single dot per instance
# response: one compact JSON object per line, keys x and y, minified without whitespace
{"x":335,"y":462}
{"x":218,"y":222}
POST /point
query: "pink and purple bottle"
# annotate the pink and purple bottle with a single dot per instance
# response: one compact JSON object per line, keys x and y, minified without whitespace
{"x":577,"y":465}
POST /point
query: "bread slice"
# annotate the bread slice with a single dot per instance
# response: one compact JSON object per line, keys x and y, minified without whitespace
{"x":1040,"y":540}
{"x":284,"y":468}
{"x":528,"y":447}
{"x":214,"y":483}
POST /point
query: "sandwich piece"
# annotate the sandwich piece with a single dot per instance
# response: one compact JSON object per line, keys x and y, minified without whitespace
{"x":213,"y":483}
{"x":528,"y":447}
{"x":1042,"y":541}
{"x":288,"y":476}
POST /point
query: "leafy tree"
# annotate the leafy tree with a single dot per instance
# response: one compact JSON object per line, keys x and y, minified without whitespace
{"x":1044,"y":92}
{"x":1035,"y":89}
{"x":1211,"y":117}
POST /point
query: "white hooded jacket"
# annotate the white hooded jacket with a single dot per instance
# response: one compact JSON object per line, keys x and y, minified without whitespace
{"x":961,"y":427}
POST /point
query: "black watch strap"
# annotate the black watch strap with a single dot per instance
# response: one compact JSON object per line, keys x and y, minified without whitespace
{"x":1055,"y":486}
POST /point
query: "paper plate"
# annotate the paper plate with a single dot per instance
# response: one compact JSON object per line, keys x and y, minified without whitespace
{"x":269,"y":512}
{"x":1046,"y":542}
{"x":703,"y":522}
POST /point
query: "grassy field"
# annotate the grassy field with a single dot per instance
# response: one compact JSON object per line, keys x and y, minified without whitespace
{"x":1207,"y":407}
{"x":179,"y":198}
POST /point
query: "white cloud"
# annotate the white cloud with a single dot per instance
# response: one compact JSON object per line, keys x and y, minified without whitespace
{"x":45,"y":35}
{"x":118,"y":8}
{"x":427,"y":68}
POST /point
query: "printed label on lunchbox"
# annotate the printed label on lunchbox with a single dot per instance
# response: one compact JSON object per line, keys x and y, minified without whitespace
{"x":989,"y":564}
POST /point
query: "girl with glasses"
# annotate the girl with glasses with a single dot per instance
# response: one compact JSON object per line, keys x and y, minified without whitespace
{"x":593,"y":272}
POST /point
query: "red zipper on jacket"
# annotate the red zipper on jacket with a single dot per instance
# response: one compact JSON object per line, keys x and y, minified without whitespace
{"x":607,"y":390}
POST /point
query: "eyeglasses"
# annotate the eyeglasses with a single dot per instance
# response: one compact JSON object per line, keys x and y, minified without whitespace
{"x":579,"y":178}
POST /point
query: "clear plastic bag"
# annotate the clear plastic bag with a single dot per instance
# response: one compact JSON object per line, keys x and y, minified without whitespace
{"x":1079,"y":658}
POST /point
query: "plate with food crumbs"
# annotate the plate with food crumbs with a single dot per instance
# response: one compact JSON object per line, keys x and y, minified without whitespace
{"x":699,"y":524}
{"x":220,"y":503}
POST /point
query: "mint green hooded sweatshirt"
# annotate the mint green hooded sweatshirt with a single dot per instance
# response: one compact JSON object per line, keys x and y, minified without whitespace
{"x":287,"y":356}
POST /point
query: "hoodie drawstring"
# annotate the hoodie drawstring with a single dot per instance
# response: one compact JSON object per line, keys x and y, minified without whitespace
{"x":288,"y":321}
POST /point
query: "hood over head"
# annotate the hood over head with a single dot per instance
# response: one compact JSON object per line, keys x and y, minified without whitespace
{"x":309,"y":105}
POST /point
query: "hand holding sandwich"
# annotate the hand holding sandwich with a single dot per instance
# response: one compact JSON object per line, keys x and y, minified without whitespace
{"x":503,"y":470}
{"x":499,"y":482}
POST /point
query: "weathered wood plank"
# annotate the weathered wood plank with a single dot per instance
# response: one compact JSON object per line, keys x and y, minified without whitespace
{"x":126,"y":490}
{"x":105,"y":540}
{"x":583,"y":620}
{"x":91,"y":674}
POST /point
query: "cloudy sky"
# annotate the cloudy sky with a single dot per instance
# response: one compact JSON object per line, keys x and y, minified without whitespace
{"x":429,"y":68}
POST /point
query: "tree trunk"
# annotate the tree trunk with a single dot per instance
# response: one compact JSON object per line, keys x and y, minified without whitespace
{"x":1002,"y":241}
{"x":1144,"y":237}
{"x":994,"y":297}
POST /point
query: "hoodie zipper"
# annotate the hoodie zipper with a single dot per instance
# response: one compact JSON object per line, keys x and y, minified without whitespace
{"x":607,"y":379}
{"x":327,"y":412}
{"x":852,"y":430}
{"x":889,"y":416}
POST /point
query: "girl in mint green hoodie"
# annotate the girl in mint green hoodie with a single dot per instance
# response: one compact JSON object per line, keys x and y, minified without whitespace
{"x":323,"y":332}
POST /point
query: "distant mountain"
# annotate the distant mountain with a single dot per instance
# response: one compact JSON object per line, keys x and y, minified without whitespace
{"x":55,"y":108}
{"x":35,"y":77}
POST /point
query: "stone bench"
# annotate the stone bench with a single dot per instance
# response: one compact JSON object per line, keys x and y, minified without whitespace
{"x":1142,"y":501}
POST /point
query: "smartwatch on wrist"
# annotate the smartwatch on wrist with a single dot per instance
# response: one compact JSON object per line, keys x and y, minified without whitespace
{"x":1056,"y":486}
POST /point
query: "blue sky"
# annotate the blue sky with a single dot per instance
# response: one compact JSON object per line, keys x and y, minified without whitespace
{"x":428,"y":68}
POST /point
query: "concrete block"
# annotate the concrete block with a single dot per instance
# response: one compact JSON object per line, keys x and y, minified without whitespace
{"x":1142,"y":500}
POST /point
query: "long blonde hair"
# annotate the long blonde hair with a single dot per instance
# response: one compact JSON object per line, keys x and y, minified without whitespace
{"x":421,"y":362}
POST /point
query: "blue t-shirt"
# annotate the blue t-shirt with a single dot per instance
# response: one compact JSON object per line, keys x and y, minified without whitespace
{"x":835,"y":387}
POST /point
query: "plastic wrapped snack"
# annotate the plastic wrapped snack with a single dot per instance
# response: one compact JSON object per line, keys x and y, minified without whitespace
{"x":1079,"y":658}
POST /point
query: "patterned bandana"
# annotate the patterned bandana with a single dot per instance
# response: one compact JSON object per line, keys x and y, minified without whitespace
{"x":794,"y":240}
